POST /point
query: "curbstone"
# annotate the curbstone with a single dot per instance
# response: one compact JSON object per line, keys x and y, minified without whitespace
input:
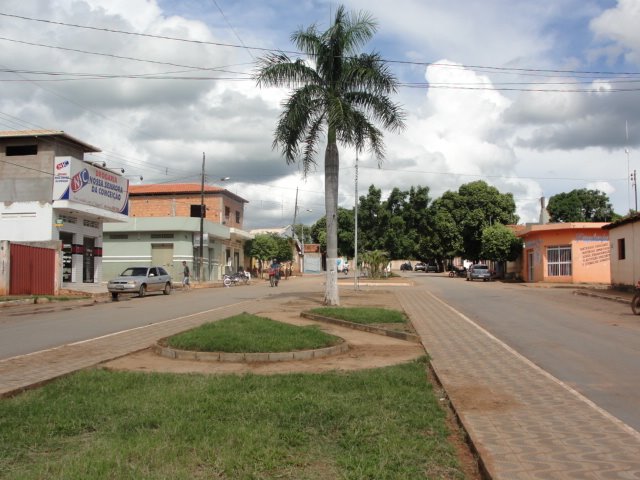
{"x":409,"y":337}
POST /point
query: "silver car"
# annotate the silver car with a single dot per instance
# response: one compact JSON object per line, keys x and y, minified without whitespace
{"x":140,"y":280}
{"x":479,"y":272}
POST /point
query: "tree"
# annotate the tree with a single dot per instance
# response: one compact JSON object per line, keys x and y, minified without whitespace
{"x":473,"y":207}
{"x":500,"y":244}
{"x":581,"y":205}
{"x":267,"y":246}
{"x":340,"y":92}
{"x":346,"y":229}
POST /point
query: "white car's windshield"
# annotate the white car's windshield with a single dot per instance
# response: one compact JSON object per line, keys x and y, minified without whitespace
{"x":135,"y":272}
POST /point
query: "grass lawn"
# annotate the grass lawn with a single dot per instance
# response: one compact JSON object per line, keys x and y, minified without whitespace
{"x":375,"y":424}
{"x":365,"y":315}
{"x":247,"y":333}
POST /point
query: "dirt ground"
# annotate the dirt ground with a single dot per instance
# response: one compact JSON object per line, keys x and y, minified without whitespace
{"x":367,"y":350}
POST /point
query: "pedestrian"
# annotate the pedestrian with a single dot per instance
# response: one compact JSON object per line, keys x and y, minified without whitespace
{"x":185,"y":276}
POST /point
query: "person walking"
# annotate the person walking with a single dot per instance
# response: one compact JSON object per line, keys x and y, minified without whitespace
{"x":185,"y":276}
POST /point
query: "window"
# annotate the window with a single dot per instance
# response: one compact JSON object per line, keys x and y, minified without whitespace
{"x":19,"y":150}
{"x":621,"y":249}
{"x":162,"y":235}
{"x":237,"y":217}
{"x":227,"y":213}
{"x":118,"y":236}
{"x":559,"y":261}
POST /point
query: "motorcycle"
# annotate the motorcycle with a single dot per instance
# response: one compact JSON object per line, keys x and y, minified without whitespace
{"x":635,"y":301}
{"x":274,"y":277}
{"x":458,"y":272}
{"x":235,"y":279}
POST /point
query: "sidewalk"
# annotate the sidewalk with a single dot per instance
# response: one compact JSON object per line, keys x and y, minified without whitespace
{"x":523,"y":422}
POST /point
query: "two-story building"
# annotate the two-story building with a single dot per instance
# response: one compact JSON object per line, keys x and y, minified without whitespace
{"x":49,"y":195}
{"x":164,"y":229}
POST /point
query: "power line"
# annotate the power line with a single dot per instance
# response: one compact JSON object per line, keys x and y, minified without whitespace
{"x":264,"y":49}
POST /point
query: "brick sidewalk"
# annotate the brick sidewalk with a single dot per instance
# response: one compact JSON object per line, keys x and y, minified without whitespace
{"x":523,"y":422}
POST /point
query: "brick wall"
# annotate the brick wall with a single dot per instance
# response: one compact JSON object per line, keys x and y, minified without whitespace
{"x":180,"y":206}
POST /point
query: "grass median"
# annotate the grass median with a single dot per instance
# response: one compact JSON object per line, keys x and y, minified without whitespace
{"x":382,"y":423}
{"x":363,"y":315}
{"x":246,"y":333}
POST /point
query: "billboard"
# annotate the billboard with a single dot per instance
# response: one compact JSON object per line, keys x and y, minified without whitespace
{"x":81,"y":182}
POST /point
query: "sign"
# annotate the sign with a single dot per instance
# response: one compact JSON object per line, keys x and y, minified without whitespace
{"x":196,"y":240}
{"x":81,"y":182}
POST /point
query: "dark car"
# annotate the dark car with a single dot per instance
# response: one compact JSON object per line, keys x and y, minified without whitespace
{"x":140,"y":280}
{"x":479,"y":272}
{"x":420,"y":267}
{"x":406,"y":266}
{"x":432,"y":267}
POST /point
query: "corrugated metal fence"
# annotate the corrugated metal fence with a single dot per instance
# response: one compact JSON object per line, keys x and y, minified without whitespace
{"x":33,"y":270}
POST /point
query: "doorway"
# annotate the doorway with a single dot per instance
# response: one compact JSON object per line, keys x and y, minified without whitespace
{"x":87,"y":260}
{"x":530,"y":266}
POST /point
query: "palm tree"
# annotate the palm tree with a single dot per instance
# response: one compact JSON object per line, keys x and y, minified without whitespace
{"x":338,"y":92}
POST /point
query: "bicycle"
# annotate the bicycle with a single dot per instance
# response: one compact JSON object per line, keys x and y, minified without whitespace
{"x":635,"y":301}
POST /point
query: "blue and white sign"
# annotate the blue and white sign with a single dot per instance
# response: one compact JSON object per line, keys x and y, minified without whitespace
{"x":81,"y":182}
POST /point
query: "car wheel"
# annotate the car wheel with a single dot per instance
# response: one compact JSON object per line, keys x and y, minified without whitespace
{"x":167,"y":289}
{"x":142,"y":291}
{"x":114,"y":295}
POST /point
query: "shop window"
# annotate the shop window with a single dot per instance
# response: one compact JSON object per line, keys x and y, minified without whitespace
{"x":559,"y":261}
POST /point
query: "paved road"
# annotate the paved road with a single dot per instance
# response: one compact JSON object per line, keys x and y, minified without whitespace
{"x":22,"y":331}
{"x":591,"y":344}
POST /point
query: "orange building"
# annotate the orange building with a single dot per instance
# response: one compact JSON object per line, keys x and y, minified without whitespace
{"x":566,"y":253}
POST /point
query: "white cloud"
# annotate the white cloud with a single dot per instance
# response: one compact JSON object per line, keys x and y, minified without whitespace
{"x":620,"y":25}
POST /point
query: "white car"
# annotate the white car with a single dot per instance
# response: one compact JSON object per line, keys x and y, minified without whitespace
{"x":140,"y":280}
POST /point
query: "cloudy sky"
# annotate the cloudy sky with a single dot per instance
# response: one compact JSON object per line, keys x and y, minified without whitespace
{"x":536,"y":98}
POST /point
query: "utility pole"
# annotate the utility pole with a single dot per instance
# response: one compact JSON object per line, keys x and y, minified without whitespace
{"x":200,"y":251}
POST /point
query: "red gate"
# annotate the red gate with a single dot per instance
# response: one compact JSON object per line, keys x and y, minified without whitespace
{"x":33,"y":270}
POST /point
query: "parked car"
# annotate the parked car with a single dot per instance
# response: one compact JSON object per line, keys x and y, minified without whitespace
{"x":479,"y":272}
{"x":432,"y":267}
{"x":406,"y":266}
{"x":420,"y":267}
{"x":140,"y":280}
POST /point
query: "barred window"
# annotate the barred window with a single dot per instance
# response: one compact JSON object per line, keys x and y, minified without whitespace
{"x":559,"y":261}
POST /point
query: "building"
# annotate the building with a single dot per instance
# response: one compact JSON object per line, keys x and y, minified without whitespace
{"x":624,"y":240}
{"x":49,"y":195}
{"x":164,"y":229}
{"x":566,"y":253}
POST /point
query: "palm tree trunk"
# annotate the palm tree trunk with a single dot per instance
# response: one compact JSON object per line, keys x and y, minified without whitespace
{"x":331,"y":172}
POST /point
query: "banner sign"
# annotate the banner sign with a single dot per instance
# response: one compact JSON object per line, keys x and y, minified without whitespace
{"x":81,"y":182}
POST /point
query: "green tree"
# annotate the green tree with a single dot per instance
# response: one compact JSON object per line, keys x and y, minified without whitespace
{"x":340,"y":92}
{"x":376,"y":261}
{"x":581,"y":205}
{"x":263,"y":247}
{"x":346,"y":229}
{"x":500,"y":244}
{"x":475,"y":206}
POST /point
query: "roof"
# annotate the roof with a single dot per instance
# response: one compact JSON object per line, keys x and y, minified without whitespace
{"x":623,"y":221}
{"x":163,"y":189}
{"x":549,"y":227}
{"x":47,"y":133}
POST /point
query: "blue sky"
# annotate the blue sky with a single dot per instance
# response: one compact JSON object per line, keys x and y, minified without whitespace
{"x":501,"y":104}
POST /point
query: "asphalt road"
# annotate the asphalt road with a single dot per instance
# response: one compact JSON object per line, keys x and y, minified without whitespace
{"x":591,"y":344}
{"x":22,"y":331}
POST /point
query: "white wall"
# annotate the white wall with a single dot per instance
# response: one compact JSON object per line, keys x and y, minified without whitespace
{"x":26,"y":221}
{"x":627,"y":271}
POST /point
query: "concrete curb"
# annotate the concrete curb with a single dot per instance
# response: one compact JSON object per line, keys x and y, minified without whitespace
{"x":613,"y":298}
{"x":409,"y":337}
{"x":176,"y":354}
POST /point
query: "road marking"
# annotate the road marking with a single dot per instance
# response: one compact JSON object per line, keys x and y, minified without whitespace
{"x":80,"y":342}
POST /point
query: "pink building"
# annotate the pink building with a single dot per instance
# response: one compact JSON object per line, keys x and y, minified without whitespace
{"x":566,"y":253}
